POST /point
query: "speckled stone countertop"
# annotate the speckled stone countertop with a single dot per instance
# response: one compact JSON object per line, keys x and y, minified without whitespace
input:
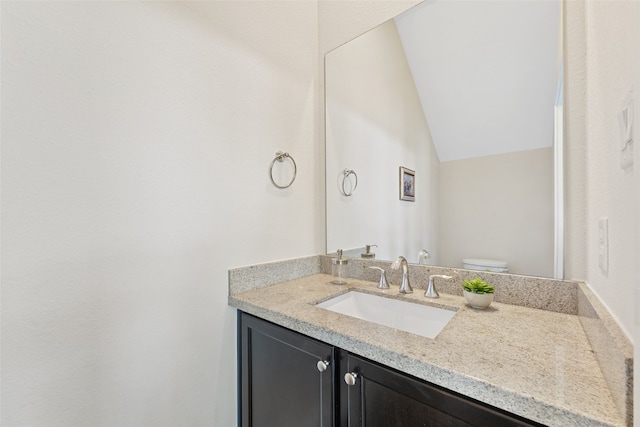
{"x":534,"y":363}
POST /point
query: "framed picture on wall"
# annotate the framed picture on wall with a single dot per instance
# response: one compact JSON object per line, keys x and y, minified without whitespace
{"x":407,"y":184}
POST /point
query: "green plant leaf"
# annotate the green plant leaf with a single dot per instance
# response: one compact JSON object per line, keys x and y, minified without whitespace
{"x":478,"y":286}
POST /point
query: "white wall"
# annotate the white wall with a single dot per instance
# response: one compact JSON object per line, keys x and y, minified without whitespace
{"x":611,"y":54}
{"x":136,"y":143}
{"x":122,"y":127}
{"x":600,"y":71}
{"x":499,"y":207}
{"x":603,"y":63}
{"x":574,"y":108}
{"x":375,"y":124}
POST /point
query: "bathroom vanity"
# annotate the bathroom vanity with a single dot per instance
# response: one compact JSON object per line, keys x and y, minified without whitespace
{"x":507,"y":365}
{"x":289,"y":379}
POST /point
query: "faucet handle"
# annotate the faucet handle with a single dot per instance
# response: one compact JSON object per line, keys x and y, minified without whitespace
{"x":382,"y":283}
{"x":431,"y":289}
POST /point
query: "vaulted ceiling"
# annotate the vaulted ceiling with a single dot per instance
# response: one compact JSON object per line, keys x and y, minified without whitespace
{"x":486,"y":72}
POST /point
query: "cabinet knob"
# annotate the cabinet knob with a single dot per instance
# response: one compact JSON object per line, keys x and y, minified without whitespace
{"x":323,"y":365}
{"x":350,"y":378}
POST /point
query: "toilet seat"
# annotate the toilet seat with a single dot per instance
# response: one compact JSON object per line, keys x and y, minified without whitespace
{"x":480,"y":264}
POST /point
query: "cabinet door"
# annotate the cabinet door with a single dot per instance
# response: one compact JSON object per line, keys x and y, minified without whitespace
{"x":382,"y":397}
{"x":280,"y":382}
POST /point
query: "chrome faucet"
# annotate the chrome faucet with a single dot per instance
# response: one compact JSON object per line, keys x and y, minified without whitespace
{"x":423,"y":255}
{"x":405,"y":287}
{"x":431,"y":289}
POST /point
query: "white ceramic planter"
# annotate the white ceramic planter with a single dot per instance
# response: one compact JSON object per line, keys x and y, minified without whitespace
{"x":480,"y":301}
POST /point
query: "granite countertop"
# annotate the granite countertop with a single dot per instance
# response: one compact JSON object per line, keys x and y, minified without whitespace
{"x":534,"y":363}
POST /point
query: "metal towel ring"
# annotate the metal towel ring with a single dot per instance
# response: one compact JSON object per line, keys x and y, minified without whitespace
{"x":346,"y":174}
{"x":280,"y":156}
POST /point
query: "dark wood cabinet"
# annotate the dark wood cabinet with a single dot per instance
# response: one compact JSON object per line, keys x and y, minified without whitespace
{"x":383,"y":397}
{"x":281,"y":384}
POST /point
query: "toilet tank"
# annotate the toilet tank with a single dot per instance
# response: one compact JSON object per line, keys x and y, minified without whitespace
{"x":494,"y":265}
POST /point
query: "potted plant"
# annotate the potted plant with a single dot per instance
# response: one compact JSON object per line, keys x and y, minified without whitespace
{"x":478,"y":293}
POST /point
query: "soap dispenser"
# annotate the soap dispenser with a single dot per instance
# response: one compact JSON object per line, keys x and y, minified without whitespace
{"x":367,"y":252}
{"x":339,"y":269}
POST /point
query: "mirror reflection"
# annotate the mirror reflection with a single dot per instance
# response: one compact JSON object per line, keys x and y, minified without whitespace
{"x":463,"y":94}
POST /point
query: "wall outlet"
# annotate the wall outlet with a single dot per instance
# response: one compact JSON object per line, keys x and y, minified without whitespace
{"x":603,"y":245}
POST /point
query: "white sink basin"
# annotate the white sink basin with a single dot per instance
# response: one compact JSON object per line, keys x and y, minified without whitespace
{"x":407,"y":316}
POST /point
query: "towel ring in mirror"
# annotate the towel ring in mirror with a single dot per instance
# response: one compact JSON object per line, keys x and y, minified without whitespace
{"x":280,"y":156}
{"x":345,"y":175}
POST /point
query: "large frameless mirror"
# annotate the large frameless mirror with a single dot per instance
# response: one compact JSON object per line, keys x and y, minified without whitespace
{"x":467,"y":96}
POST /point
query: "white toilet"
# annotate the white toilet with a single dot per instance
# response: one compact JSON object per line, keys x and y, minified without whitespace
{"x":494,"y":265}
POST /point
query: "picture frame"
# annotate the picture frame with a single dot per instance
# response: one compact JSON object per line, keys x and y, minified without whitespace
{"x":407,"y":184}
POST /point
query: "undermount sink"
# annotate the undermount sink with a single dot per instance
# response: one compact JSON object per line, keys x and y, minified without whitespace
{"x":408,"y":316}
